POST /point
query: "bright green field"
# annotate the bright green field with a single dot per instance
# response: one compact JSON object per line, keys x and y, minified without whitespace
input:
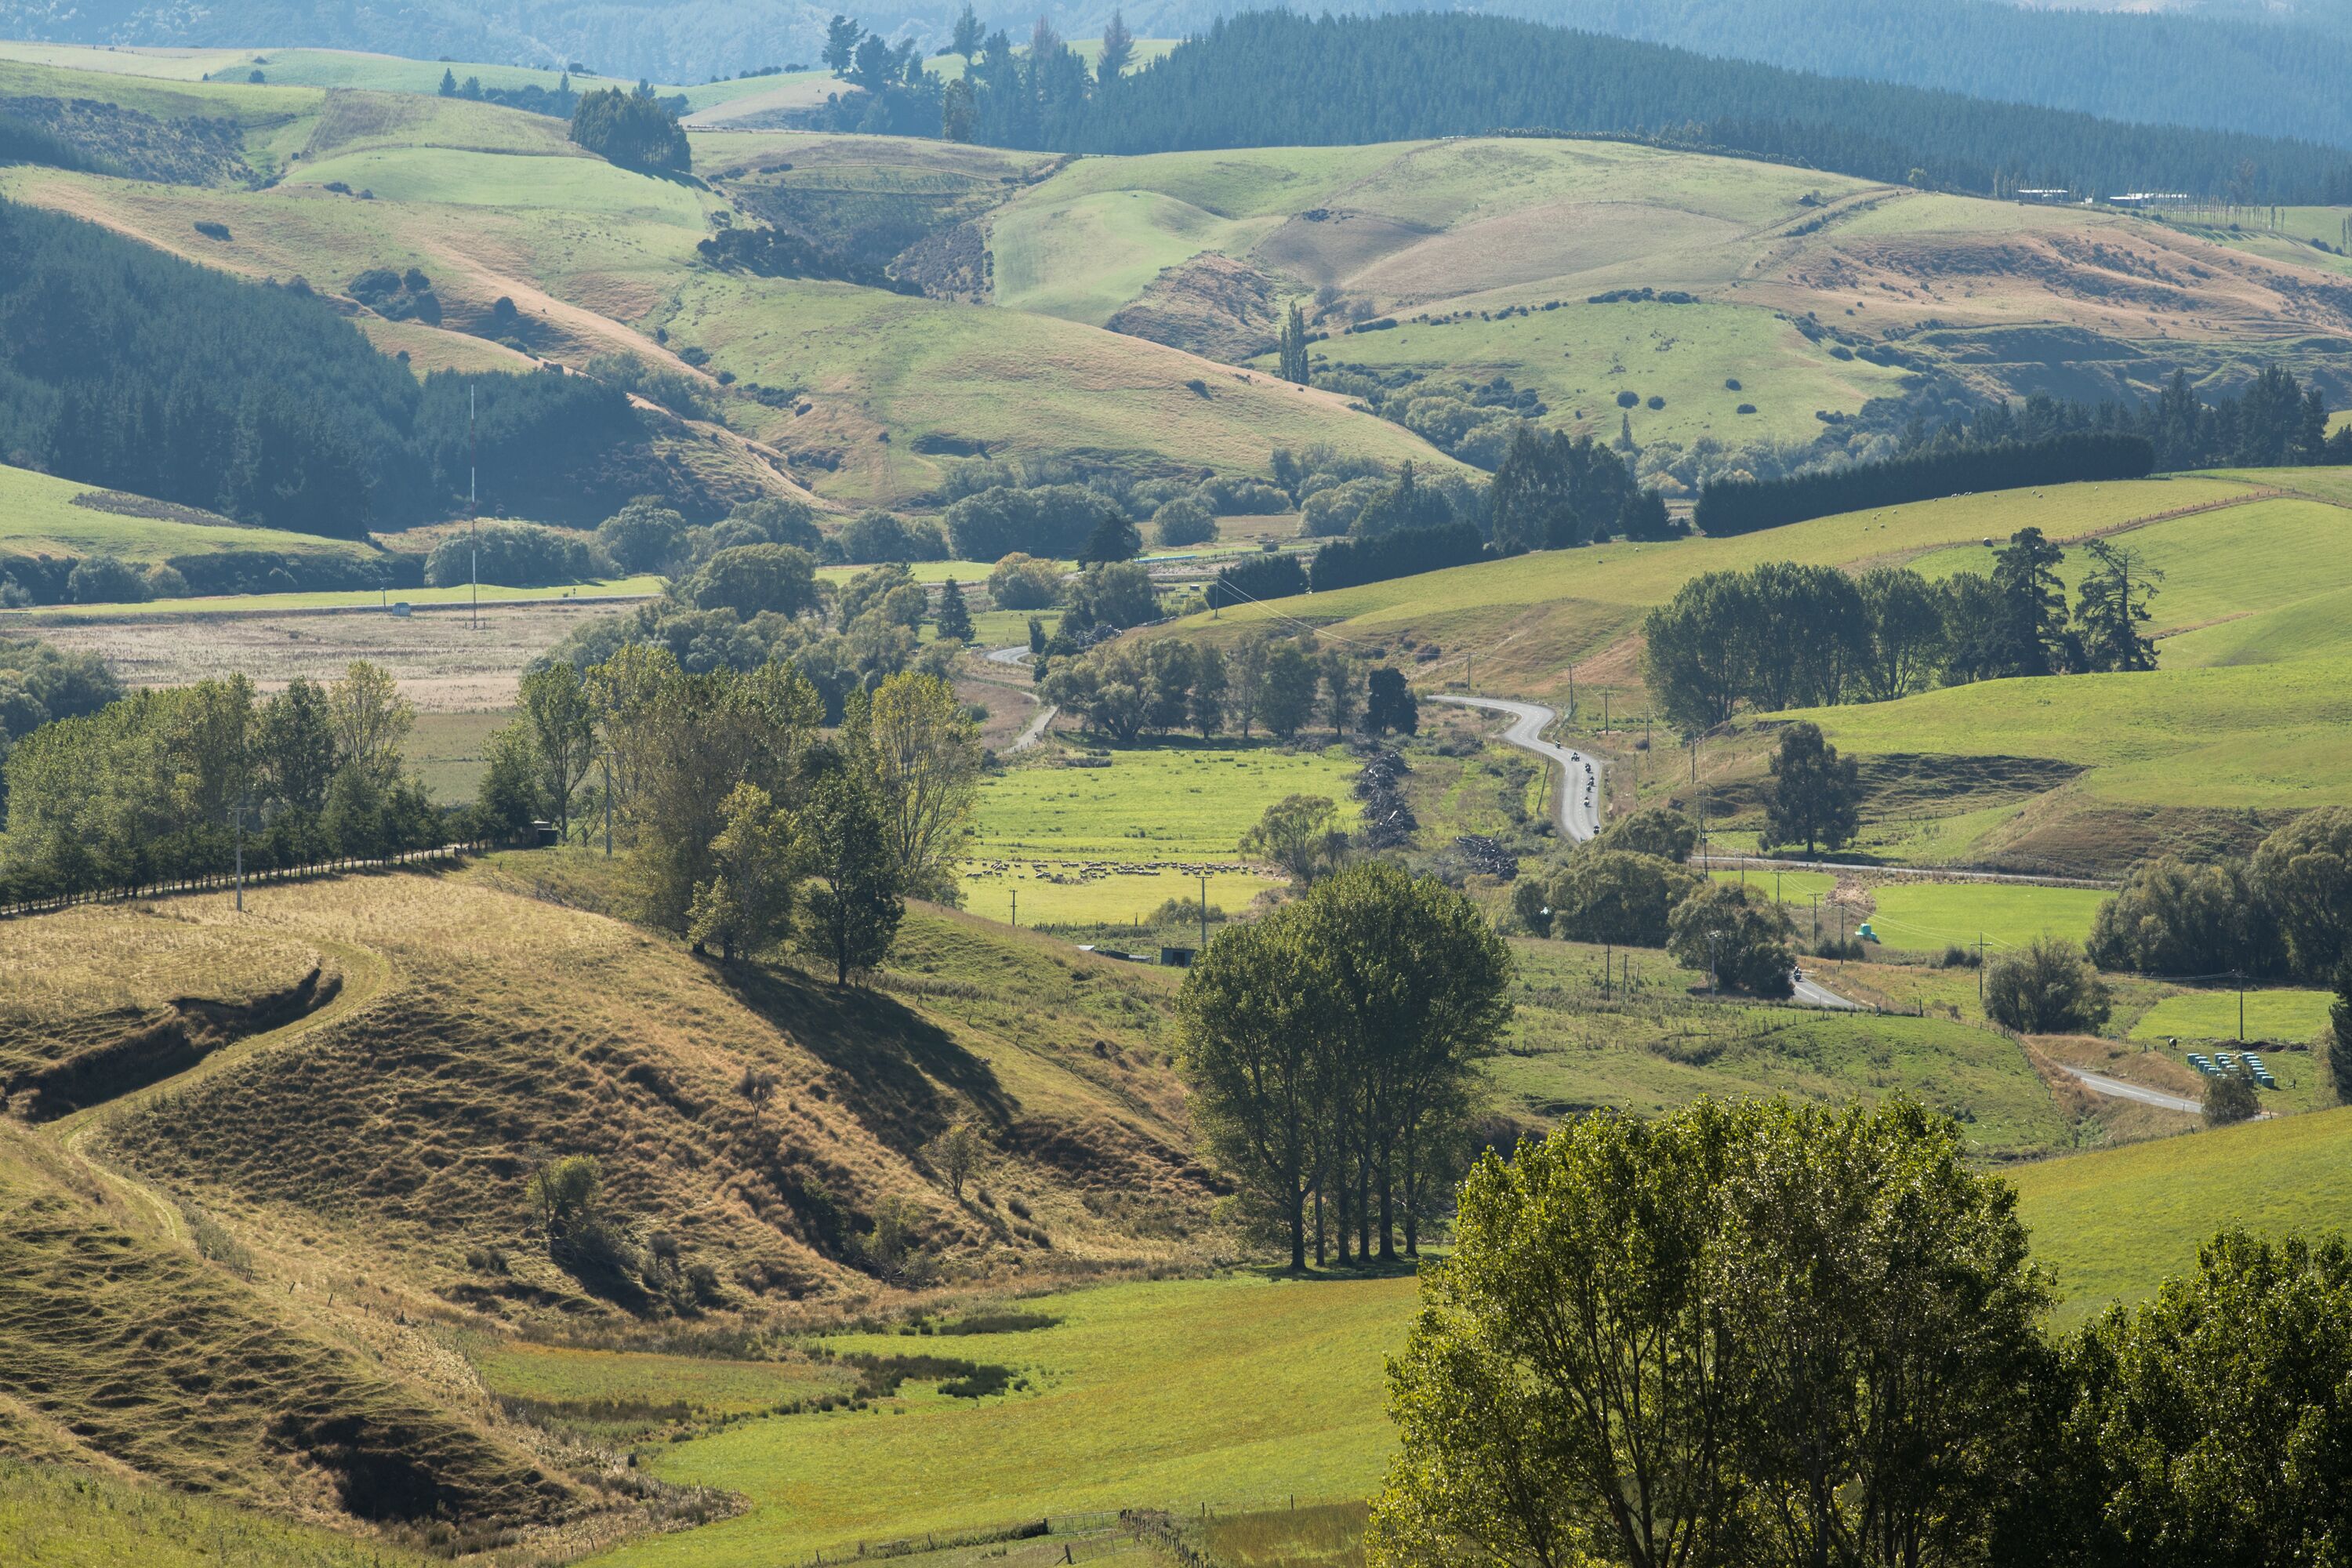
{"x":550,"y":1375}
{"x":38,"y":517}
{"x":2282,"y":1015}
{"x":1227,"y":1390}
{"x":1797,"y":888}
{"x":1125,"y":237}
{"x":1931,"y":916}
{"x":1159,"y":803}
{"x":2114,"y":1222}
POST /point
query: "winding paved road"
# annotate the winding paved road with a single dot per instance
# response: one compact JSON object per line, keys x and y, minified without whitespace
{"x":1017,"y":653}
{"x":1579,"y":797}
{"x":2117,"y":1088}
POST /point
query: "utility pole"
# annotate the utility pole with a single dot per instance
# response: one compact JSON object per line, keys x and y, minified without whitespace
{"x":1980,"y":946}
{"x":1607,"y":962}
{"x":2241,"y":976}
{"x":1605,"y":712}
{"x":1571,"y":695}
{"x":1467,"y":681}
{"x":473,"y":507}
{"x":1016,"y":909}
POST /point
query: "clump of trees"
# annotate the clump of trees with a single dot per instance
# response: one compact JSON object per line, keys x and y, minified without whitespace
{"x":1771,"y":1333}
{"x":1332,"y":1051}
{"x":164,"y":784}
{"x":635,"y":129}
{"x":1783,"y":636}
{"x":743,"y":825}
{"x":1737,"y":935}
{"x":2045,"y":988}
{"x":1743,"y":506}
{"x":2286,"y":910}
{"x":1283,"y":685}
{"x":512,"y":554}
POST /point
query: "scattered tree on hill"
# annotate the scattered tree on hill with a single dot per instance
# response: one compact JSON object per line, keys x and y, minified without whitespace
{"x":1183,"y":522}
{"x":922,"y":755}
{"x":2175,"y":917}
{"x":1810,"y":1331}
{"x":2113,"y":606}
{"x":448,"y":84}
{"x":2305,"y":873}
{"x":1904,"y":636}
{"x":841,"y":40}
{"x":2033,"y":601}
{"x":1617,"y":895}
{"x":1390,"y":704}
{"x":1286,"y":691}
{"x":1024,"y":583}
{"x":1658,"y":830}
{"x":642,"y":536}
{"x":2045,"y":988}
{"x":747,"y":904}
{"x":755,"y":579}
{"x":1117,"y":50}
{"x":967,"y":37}
{"x":1815,"y":797}
{"x":852,"y":906}
{"x":2335,"y":1052}
{"x":2230,"y":1097}
{"x":954,"y":619}
{"x":1742,"y":941}
{"x":562,"y":720}
{"x":1342,"y":688}
{"x":1293,"y":346}
{"x":1116,"y":594}
{"x":758,"y":1087}
{"x":1301,"y":834}
{"x":1113,"y":539}
{"x":959,"y":1154}
{"x":634,"y":129}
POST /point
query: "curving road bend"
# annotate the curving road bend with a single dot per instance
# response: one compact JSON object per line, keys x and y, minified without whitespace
{"x":1578,"y":800}
{"x":1017,"y":653}
{"x":2117,"y":1088}
{"x":1579,"y":797}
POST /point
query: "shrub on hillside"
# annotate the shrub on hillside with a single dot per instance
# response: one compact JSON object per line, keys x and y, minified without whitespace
{"x":756,"y":579}
{"x":2304,"y":872}
{"x":1183,"y":522}
{"x":1053,"y":521}
{"x":1241,"y":498}
{"x":873,"y":536}
{"x":635,"y":129}
{"x":1743,"y":938}
{"x":1331,"y":511}
{"x":511,"y":554}
{"x":2230,"y":1097}
{"x":1613,"y":896}
{"x":107,"y":580}
{"x":1024,"y":582}
{"x":1656,"y":830}
{"x":643,"y":536}
{"x":2047,"y":988}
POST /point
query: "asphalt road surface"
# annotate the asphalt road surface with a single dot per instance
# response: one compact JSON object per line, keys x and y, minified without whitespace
{"x":1814,"y":995}
{"x":1578,"y":796}
{"x":1015,"y":655}
{"x":2117,"y":1088}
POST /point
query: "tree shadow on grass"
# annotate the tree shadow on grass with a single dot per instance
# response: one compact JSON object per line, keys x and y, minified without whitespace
{"x":893,"y":1060}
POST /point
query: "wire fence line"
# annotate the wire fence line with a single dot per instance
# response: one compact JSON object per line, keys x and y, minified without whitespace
{"x":213,"y":881}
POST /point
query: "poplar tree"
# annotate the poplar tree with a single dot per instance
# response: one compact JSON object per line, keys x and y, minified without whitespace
{"x":1293,"y":346}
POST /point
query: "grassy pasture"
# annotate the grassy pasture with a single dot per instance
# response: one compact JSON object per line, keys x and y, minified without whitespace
{"x":1930,"y":915}
{"x":2282,"y":1013}
{"x":2113,"y":1222}
{"x":38,"y":516}
{"x":1652,"y":1043}
{"x":1581,"y":356}
{"x":639,"y":588}
{"x":1159,"y":803}
{"x":1225,"y":1390}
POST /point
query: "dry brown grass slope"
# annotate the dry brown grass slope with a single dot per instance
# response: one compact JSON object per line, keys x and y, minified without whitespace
{"x":397,"y":1140}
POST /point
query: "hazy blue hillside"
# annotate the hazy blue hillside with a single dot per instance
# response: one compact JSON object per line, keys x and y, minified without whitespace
{"x":2228,"y":66}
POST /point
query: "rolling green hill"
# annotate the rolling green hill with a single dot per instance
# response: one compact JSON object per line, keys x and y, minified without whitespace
{"x":41,"y":515}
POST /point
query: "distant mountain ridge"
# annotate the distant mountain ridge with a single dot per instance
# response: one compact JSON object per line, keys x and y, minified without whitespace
{"x":2269,"y":68}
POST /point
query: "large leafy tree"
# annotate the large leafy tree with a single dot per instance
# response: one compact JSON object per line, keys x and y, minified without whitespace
{"x":1815,"y":797}
{"x":634,"y":129}
{"x":1771,"y":1333}
{"x":852,"y":905}
{"x":921,"y":752}
{"x":2113,"y":606}
{"x":2033,"y":605}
